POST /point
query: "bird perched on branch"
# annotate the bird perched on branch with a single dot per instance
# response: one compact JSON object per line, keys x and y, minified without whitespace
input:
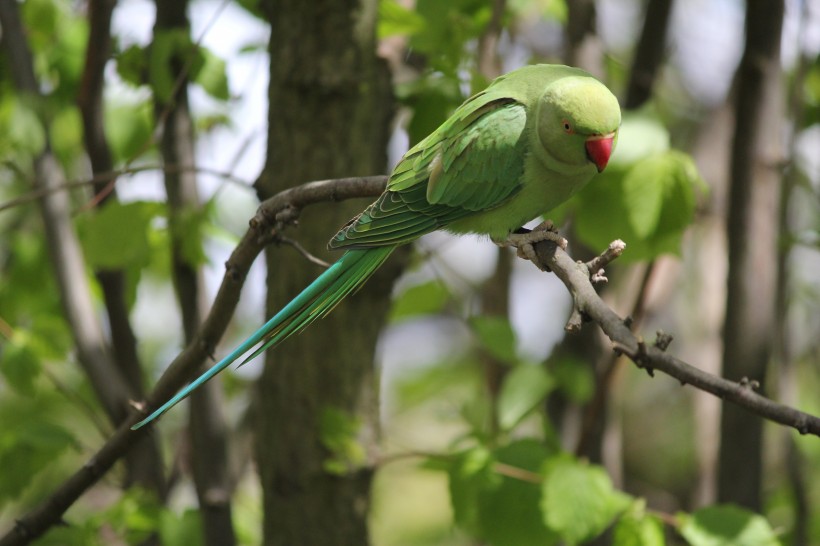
{"x":507,"y":155}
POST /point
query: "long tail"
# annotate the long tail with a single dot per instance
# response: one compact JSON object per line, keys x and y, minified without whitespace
{"x":317,"y":300}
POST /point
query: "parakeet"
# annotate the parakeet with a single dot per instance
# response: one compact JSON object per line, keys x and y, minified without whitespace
{"x":507,"y":155}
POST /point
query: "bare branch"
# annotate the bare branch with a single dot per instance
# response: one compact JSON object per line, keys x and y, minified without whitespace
{"x":575,"y":277}
{"x":335,"y":189}
{"x":597,"y":264}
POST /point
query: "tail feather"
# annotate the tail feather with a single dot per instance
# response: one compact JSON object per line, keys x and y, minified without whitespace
{"x":315,"y":301}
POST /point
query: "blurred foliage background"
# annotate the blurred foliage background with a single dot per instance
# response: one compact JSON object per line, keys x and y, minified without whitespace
{"x":493,"y":426}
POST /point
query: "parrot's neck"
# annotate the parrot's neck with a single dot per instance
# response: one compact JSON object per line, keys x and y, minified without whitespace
{"x":556,"y":167}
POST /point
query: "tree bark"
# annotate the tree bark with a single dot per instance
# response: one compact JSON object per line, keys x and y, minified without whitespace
{"x":752,"y":240}
{"x":330,"y":106}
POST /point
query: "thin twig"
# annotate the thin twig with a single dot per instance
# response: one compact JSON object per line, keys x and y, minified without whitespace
{"x":517,"y":473}
{"x":114,"y":175}
{"x":597,"y":264}
{"x":302,"y":250}
{"x":87,"y":409}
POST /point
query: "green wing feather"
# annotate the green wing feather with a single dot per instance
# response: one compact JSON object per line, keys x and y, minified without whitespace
{"x":475,"y":161}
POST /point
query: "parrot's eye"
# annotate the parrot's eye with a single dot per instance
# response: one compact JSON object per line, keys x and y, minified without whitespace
{"x":567,"y":126}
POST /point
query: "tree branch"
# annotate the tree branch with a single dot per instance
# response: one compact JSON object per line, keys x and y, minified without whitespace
{"x":575,"y":277}
{"x":50,"y":512}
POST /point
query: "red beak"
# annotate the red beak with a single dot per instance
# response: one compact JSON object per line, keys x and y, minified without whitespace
{"x":599,"y":148}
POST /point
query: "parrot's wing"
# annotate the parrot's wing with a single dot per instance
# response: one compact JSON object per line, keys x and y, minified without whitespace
{"x":485,"y":164}
{"x":473,"y":162}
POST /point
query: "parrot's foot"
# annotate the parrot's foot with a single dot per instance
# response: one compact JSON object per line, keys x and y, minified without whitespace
{"x":523,"y":241}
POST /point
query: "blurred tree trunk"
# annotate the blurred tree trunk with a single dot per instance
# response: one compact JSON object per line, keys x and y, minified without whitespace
{"x":330,"y":106}
{"x":209,"y":451}
{"x":752,"y":238}
{"x":144,"y":462}
{"x":648,"y":54}
{"x":708,"y":251}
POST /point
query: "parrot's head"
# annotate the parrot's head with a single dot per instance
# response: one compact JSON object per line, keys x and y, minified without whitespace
{"x":577,"y":122}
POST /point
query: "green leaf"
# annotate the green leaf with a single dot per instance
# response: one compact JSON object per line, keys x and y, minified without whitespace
{"x":27,"y":290}
{"x":397,"y":20}
{"x":648,"y":204}
{"x":510,"y":515}
{"x":636,"y":528}
{"x":422,"y":299}
{"x":20,"y":126}
{"x":469,"y":475}
{"x":338,"y":430}
{"x":646,"y":196}
{"x":80,"y":533}
{"x":212,"y":76}
{"x":66,"y":133}
{"x":432,"y":98}
{"x":116,"y":236}
{"x":129,"y":128}
{"x":134,"y":517}
{"x":533,"y":9}
{"x":496,"y":336}
{"x":643,"y":194}
{"x":183,"y":530}
{"x":499,"y":509}
{"x":641,"y":135}
{"x":27,"y":447}
{"x":726,"y":525}
{"x":574,"y":377}
{"x":170,"y":50}
{"x":132,"y":65}
{"x":578,"y":501}
{"x":20,"y":364}
{"x":448,"y":28}
{"x":524,"y":388}
{"x":42,"y":15}
{"x":190,"y":227}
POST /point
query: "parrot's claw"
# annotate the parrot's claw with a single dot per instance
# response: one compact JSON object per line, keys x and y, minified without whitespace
{"x":523,"y":241}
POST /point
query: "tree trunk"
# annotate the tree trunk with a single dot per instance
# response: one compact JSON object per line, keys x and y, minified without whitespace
{"x":330,"y":106}
{"x":752,"y":238}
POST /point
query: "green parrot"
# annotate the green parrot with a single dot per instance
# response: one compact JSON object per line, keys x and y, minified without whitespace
{"x":507,"y":155}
